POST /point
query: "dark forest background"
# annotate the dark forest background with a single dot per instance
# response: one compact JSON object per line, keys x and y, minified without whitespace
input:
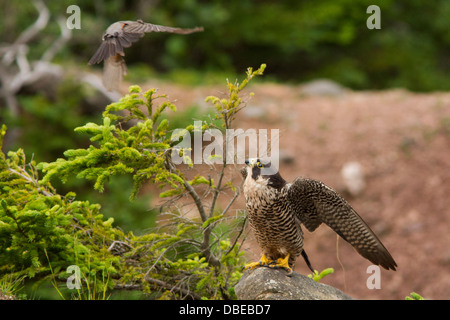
{"x":298,"y":40}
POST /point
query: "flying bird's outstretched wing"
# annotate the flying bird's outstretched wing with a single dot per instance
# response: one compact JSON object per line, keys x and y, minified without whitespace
{"x":313,"y":203}
{"x":144,"y":27}
{"x":121,"y":35}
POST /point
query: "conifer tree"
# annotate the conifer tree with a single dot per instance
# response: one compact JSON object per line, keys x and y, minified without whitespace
{"x":42,"y":233}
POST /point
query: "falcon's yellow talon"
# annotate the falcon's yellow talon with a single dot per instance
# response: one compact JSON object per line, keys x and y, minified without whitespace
{"x":283,"y":263}
{"x":263,"y":262}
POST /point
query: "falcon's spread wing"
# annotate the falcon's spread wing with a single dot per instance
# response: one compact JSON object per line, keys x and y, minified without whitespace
{"x":313,"y":202}
{"x":144,"y":27}
{"x":114,"y":44}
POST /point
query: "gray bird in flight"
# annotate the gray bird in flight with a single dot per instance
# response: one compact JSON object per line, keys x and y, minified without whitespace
{"x":121,"y":35}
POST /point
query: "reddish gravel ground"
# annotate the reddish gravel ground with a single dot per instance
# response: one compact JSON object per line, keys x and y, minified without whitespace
{"x":400,"y":139}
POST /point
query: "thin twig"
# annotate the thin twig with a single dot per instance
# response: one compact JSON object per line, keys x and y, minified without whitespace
{"x":29,"y":33}
{"x":170,"y":287}
{"x":237,"y":237}
{"x":236,"y":194}
{"x":66,"y":34}
{"x":30,"y":180}
{"x":193,"y":194}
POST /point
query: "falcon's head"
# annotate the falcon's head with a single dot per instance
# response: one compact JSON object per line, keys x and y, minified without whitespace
{"x":260,"y":170}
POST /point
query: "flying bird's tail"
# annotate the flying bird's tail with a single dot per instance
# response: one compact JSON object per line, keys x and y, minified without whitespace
{"x":114,"y":70}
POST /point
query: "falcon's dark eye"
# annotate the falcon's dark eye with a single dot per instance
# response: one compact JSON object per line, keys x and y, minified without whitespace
{"x":260,"y":165}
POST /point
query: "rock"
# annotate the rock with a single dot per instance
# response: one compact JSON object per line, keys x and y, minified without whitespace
{"x":273,"y":284}
{"x":352,"y":174}
{"x":6,"y":297}
{"x":322,"y":87}
{"x":254,"y":112}
{"x":286,"y":157}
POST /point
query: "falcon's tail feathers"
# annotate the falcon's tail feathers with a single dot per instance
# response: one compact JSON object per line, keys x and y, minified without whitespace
{"x":305,"y":256}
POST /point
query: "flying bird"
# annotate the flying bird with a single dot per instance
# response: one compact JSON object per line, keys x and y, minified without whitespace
{"x":277,"y":209}
{"x":121,"y":35}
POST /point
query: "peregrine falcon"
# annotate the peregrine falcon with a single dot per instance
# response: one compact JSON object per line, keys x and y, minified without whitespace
{"x":121,"y":35}
{"x":276,"y":209}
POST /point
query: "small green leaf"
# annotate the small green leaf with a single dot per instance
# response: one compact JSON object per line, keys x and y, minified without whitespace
{"x":414,"y":296}
{"x":170,"y":193}
{"x":318,"y":276}
{"x":211,"y":220}
{"x":134,"y":89}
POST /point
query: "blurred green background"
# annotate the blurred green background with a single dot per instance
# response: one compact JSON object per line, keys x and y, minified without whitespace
{"x":299,"y":40}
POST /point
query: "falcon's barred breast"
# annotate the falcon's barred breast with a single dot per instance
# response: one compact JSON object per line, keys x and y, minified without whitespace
{"x":277,"y":209}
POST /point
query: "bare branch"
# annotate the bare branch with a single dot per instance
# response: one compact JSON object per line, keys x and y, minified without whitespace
{"x":66,"y":34}
{"x":218,"y":188}
{"x":205,"y":247}
{"x":236,"y":194}
{"x":176,"y":289}
{"x":96,"y":82}
{"x":12,"y":81}
{"x":193,"y":194}
{"x":27,"y":177}
{"x":238,"y":236}
{"x":129,"y":286}
{"x":29,"y":33}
